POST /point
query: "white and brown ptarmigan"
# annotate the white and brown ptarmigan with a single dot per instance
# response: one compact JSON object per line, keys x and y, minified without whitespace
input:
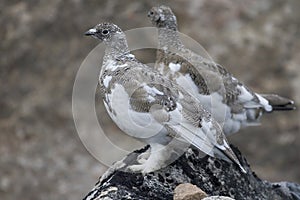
{"x":232,"y":103}
{"x":148,"y":106}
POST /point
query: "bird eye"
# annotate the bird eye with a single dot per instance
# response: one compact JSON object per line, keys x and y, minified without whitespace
{"x":150,"y":13}
{"x":105,"y":32}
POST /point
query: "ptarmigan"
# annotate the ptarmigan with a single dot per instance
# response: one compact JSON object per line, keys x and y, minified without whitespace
{"x":232,"y":103}
{"x":150,"y":107}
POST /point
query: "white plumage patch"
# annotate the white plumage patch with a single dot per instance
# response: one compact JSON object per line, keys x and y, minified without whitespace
{"x":265,"y":103}
{"x":151,"y":99}
{"x":174,"y":67}
{"x":111,"y":65}
{"x":187,"y":83}
{"x":152,"y":90}
{"x":106,"y":80}
{"x":245,"y":96}
{"x":130,"y":56}
{"x":128,"y":120}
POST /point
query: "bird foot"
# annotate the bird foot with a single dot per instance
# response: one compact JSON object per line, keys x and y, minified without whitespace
{"x":142,"y":158}
{"x":143,"y":168}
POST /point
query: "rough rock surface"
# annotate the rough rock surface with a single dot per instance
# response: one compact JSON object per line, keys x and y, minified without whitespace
{"x":213,"y":176}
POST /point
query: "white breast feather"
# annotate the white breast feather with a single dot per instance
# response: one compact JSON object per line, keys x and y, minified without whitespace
{"x":131,"y":122}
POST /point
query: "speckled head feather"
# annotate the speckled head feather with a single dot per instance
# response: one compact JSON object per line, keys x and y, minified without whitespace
{"x":104,"y":31}
{"x":113,"y":37}
{"x":163,"y":17}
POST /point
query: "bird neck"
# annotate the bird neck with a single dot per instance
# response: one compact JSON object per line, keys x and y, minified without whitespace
{"x":117,"y":46}
{"x":168,"y":39}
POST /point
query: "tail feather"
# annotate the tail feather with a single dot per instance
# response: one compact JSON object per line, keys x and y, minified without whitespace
{"x":197,"y":138}
{"x":279,"y":103}
{"x":284,"y":108}
{"x":229,"y":154}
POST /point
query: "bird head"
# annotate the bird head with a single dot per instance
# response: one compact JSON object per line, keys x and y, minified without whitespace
{"x":163,"y":17}
{"x":104,"y":31}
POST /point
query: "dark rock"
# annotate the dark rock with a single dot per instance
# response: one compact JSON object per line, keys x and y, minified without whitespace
{"x":213,"y":176}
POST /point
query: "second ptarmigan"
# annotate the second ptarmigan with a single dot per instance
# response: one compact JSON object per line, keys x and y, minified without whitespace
{"x":232,"y":103}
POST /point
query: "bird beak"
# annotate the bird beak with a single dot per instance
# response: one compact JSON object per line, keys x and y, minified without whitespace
{"x":90,"y":32}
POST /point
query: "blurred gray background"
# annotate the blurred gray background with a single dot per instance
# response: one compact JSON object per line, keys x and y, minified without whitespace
{"x":42,"y":47}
